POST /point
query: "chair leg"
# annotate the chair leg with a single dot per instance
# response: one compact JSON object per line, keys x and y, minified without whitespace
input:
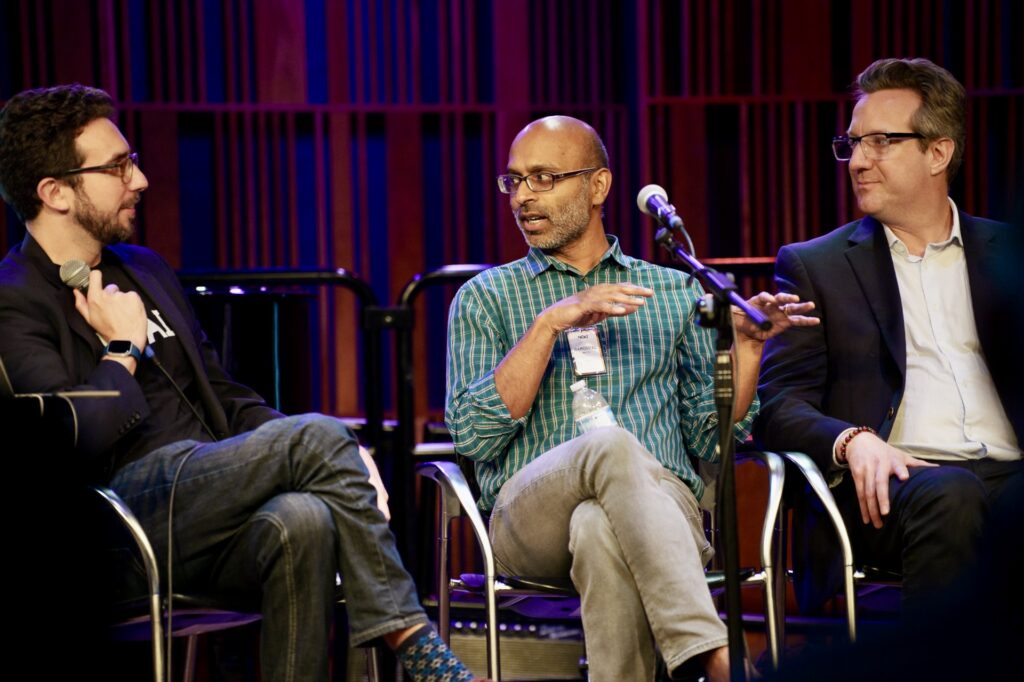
{"x":769,"y":559}
{"x":493,"y":655}
{"x":157,"y":636}
{"x":191,"y":651}
{"x":781,"y":584}
{"x":372,"y":665}
{"x":444,"y":595}
{"x":820,"y":488}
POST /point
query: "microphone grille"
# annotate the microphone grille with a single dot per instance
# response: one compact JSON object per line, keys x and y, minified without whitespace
{"x":648,"y":192}
{"x":75,"y":274}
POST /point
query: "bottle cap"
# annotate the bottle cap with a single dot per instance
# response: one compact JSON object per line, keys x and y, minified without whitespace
{"x":579,"y":385}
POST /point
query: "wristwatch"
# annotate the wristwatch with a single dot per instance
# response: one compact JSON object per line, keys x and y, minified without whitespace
{"x":119,"y":348}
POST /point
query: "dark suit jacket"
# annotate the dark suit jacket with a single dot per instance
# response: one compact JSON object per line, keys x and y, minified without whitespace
{"x":47,"y":346}
{"x":850,"y":371}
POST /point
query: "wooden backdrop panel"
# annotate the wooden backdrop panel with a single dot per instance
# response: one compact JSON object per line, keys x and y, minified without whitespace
{"x":366,"y":135}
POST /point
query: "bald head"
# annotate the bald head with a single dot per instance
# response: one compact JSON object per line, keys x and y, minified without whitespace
{"x":575,"y":139}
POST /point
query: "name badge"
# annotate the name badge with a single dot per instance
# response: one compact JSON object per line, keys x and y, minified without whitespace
{"x":586,"y":351}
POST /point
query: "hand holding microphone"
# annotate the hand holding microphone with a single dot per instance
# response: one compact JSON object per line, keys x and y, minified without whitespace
{"x":112,"y":313}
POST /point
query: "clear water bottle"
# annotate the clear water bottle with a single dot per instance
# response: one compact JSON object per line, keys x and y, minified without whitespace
{"x":589,"y":409}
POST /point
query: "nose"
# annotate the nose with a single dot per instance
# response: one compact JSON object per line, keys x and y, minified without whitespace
{"x":139,"y":182}
{"x":522,"y":195}
{"x":858,"y":159}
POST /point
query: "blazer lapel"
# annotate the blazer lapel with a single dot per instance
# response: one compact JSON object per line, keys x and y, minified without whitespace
{"x":979,"y":250}
{"x":61,"y":293}
{"x":871,"y":261}
{"x":172,"y":315}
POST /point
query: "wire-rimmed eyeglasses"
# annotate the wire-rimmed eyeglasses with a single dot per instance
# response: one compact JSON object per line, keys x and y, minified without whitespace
{"x":876,"y":145}
{"x":544,"y":181}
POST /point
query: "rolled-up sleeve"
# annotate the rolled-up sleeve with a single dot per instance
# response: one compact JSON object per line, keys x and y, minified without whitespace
{"x":477,"y":417}
{"x":698,"y":413}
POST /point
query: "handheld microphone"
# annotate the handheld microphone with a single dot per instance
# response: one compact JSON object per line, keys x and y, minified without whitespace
{"x":75,"y":274}
{"x":653,"y":200}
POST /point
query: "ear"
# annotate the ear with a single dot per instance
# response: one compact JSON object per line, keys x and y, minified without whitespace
{"x":600,"y":186}
{"x":54,"y":195}
{"x":940,"y":153}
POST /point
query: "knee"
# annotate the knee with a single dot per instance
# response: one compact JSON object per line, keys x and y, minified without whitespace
{"x":302,"y":522}
{"x":319,"y":429}
{"x":950,"y":490}
{"x":948,"y":500}
{"x":614,"y":445}
{"x":590,"y":532}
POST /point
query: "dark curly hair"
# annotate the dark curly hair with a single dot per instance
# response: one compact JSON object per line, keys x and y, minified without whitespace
{"x":37,"y":139}
{"x":941,"y":113}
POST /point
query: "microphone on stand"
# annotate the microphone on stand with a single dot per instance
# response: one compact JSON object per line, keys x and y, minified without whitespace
{"x":653,"y":200}
{"x":75,"y":273}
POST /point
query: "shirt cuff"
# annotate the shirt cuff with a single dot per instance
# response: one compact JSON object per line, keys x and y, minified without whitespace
{"x":484,"y":396}
{"x":742,"y":429}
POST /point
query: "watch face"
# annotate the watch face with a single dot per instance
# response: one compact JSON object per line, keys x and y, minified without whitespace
{"x":119,"y":347}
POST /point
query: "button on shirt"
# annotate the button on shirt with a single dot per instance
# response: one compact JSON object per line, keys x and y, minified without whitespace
{"x":659,"y":379}
{"x":950,"y":409}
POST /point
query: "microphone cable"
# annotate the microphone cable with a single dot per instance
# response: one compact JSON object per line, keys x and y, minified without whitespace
{"x":149,"y":353}
{"x":75,"y":274}
{"x":169,"y":634}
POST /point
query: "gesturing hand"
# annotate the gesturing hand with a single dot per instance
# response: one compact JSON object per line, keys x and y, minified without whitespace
{"x":594,"y":304}
{"x":783,"y":310}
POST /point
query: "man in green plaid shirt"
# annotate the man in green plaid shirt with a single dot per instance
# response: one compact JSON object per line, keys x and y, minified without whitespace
{"x":614,"y":508}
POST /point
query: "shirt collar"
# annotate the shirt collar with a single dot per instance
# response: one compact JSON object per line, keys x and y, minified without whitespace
{"x":537,"y":261}
{"x":895,"y":243}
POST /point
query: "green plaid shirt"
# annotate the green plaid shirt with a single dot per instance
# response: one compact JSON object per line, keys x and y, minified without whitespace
{"x":659,"y":379}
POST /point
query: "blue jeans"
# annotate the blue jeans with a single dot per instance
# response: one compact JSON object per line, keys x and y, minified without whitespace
{"x":276,"y":513}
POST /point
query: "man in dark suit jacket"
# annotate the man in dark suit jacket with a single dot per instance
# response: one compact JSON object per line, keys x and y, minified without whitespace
{"x":264,"y":505}
{"x":908,"y":392}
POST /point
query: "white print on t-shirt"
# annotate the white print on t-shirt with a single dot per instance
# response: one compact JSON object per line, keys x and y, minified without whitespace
{"x":157,"y":326}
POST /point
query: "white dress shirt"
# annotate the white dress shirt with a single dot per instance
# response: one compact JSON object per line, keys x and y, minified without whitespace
{"x":950,"y":408}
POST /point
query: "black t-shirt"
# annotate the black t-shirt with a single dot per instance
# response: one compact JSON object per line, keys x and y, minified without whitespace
{"x":170,"y":419}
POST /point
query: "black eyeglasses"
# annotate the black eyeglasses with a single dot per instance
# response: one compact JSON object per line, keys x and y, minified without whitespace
{"x":125,"y":167}
{"x":537,"y":182}
{"x":876,"y":145}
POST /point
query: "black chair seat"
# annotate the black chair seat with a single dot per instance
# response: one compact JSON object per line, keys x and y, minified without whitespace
{"x":191,"y":615}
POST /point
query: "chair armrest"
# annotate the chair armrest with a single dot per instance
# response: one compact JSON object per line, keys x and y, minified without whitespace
{"x":138,"y":535}
{"x":776,"y":482}
{"x":809,"y":470}
{"x":134,"y":528}
{"x":457,"y":500}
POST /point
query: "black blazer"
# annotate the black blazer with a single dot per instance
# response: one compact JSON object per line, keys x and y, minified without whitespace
{"x":47,"y":346}
{"x":850,"y":370}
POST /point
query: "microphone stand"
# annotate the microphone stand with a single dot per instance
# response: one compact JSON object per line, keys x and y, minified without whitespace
{"x":716,"y":312}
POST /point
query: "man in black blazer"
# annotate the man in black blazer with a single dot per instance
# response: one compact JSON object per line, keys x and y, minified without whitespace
{"x":264,"y":505}
{"x":908,"y":392}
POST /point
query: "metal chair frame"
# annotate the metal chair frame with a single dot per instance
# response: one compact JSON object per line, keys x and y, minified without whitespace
{"x":457,"y":500}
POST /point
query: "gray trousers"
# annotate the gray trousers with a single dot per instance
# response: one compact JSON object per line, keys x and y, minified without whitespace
{"x":601,"y":509}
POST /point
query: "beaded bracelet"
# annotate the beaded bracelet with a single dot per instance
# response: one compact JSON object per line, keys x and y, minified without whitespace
{"x":841,"y":457}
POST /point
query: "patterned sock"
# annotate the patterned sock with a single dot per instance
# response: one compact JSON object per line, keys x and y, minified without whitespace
{"x":427,"y":659}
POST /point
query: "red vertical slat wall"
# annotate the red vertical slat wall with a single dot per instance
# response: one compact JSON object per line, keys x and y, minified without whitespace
{"x":728,"y":105}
